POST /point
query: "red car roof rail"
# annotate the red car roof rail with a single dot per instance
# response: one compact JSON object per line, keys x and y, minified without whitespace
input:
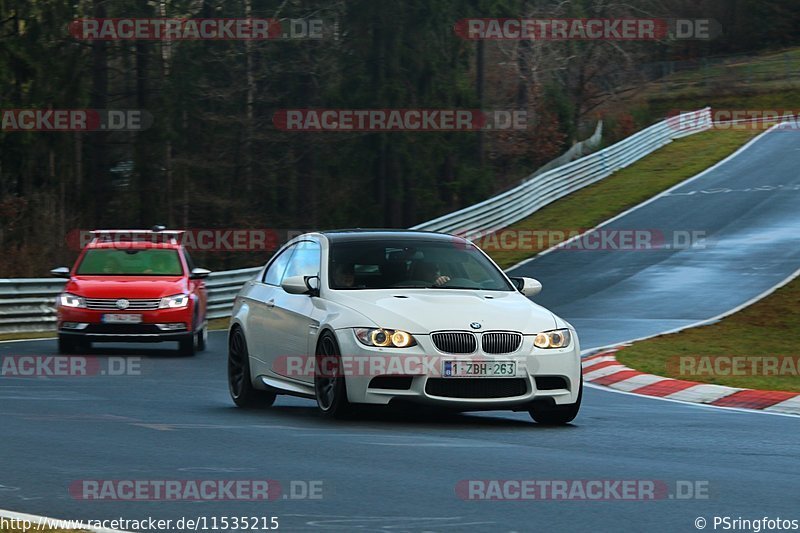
{"x":133,"y":235}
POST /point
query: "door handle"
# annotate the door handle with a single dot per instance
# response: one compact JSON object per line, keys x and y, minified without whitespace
{"x":270,"y":303}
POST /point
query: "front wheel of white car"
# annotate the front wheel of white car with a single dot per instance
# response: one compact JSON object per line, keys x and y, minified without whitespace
{"x":557,"y":415}
{"x":239,"y":381}
{"x":330,"y":387}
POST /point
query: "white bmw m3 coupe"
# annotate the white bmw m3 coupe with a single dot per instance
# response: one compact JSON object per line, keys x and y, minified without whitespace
{"x":376,"y":317}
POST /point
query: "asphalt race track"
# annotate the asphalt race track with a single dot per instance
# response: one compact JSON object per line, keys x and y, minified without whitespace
{"x":398,"y":471}
{"x":747,"y":211}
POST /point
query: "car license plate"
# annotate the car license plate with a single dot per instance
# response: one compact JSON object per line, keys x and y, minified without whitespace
{"x":126,"y":318}
{"x":479,"y":369}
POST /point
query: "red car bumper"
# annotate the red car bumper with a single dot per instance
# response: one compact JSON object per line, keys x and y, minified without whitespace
{"x":155,"y":326}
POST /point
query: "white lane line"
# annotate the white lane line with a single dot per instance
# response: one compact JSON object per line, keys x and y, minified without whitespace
{"x":28,"y":340}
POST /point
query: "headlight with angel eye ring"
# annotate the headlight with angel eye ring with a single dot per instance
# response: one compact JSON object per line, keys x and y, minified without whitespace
{"x":384,"y":338}
{"x":558,"y":338}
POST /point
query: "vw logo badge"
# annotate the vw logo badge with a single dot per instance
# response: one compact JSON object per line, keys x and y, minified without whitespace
{"x":122,"y":303}
{"x":475,"y":325}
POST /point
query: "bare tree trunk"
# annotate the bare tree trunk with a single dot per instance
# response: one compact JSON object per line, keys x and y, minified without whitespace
{"x":99,"y":193}
{"x":166,"y":57}
{"x":78,"y":165}
{"x":186,"y":180}
{"x":480,"y":62}
{"x":249,"y":100}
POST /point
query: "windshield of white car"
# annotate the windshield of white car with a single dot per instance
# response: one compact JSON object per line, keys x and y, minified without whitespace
{"x":412,"y":264}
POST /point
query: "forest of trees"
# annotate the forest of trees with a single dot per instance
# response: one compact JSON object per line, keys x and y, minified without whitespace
{"x":213,"y":157}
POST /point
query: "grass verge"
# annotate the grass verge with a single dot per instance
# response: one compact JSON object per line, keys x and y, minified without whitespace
{"x":769,"y":328}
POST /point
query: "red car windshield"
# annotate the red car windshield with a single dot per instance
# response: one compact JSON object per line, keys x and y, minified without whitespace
{"x":130,"y":262}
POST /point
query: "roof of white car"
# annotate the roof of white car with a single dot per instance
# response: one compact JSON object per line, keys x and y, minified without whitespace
{"x":385,"y":234}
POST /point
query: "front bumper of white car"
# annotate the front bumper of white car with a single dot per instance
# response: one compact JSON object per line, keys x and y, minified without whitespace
{"x":552,"y":375}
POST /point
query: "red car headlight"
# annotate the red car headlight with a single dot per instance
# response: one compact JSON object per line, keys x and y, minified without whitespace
{"x":70,"y":300}
{"x":176,"y":301}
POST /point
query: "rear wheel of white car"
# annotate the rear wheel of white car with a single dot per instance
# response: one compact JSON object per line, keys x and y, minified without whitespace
{"x":330,"y":387}
{"x":240,"y":384}
{"x":557,"y":415}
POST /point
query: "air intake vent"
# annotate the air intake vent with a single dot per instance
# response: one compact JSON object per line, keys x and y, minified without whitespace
{"x":501,"y":342}
{"x":455,"y":342}
{"x":476,"y":387}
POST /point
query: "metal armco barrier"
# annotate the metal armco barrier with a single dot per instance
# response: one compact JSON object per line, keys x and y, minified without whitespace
{"x":512,"y":206}
{"x":29,"y":304}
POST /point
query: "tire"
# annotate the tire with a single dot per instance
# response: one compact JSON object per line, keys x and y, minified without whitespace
{"x":202,"y":339}
{"x":330,"y":390}
{"x":557,"y":415}
{"x":67,"y":345}
{"x":240,"y":383}
{"x":187,"y":346}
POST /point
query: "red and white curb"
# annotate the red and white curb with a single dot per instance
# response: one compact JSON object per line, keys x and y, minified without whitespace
{"x":603,"y":369}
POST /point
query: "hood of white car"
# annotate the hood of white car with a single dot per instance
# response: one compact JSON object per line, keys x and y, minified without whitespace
{"x":421,"y":311}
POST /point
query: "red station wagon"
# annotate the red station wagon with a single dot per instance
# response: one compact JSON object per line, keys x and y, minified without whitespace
{"x":133,"y":286}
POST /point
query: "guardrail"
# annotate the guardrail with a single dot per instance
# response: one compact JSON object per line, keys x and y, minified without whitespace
{"x":539,"y":190}
{"x":29,"y":304}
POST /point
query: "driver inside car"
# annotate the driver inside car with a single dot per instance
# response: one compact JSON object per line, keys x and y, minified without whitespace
{"x":344,"y":276}
{"x":427,"y":271}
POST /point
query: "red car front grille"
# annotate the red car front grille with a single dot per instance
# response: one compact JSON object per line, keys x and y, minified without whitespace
{"x":134,"y":304}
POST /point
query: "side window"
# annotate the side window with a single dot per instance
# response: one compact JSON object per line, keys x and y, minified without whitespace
{"x":305,"y":261}
{"x":274,"y":273}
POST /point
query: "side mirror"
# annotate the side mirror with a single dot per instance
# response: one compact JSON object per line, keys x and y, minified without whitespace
{"x":301,"y":285}
{"x":527,"y":286}
{"x":312,"y":282}
{"x":294,"y":285}
{"x":199,"y":273}
{"x":60,"y":272}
